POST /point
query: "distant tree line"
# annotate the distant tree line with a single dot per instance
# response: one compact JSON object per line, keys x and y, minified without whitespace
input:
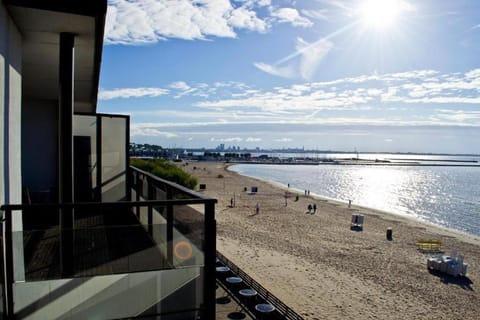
{"x":166,"y":170}
{"x":147,"y":150}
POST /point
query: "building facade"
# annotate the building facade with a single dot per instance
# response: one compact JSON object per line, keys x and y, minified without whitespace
{"x":83,"y":234}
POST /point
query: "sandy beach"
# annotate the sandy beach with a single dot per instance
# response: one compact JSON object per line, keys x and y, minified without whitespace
{"x":324,"y":270}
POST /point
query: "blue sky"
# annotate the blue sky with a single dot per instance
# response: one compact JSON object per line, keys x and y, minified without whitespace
{"x":371,"y":75}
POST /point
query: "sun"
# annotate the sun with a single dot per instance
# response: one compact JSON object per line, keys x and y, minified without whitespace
{"x":380,"y":14}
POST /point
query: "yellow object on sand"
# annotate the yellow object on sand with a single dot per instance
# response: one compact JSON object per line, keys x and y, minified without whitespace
{"x":429,"y":245}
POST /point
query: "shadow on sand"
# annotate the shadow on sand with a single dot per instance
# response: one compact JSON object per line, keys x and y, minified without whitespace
{"x":462,"y":281}
{"x":356,"y":228}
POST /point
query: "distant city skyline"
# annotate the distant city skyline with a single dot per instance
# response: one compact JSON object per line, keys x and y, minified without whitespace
{"x":390,"y":75}
{"x":302,"y":149}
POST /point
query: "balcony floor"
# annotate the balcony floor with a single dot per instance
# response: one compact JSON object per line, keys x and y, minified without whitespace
{"x":104,"y":243}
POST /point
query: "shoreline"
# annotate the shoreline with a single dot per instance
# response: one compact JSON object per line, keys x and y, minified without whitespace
{"x":474,"y":239}
{"x":321,"y":268}
{"x":343,"y":162}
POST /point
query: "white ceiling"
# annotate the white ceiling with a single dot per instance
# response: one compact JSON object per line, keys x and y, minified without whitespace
{"x":41,"y":30}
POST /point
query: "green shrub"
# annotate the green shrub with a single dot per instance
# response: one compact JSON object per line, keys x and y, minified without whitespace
{"x":165,"y":170}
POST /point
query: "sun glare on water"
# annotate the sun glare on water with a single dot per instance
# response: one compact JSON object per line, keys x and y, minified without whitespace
{"x":381,"y":14}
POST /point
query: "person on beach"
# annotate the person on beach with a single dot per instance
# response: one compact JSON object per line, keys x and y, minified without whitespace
{"x":314,"y":207}
{"x":257,"y":208}
{"x":309,"y":208}
{"x":231,"y":202}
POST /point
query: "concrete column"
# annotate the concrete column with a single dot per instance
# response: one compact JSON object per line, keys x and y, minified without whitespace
{"x":65,"y":100}
{"x":65,"y":145}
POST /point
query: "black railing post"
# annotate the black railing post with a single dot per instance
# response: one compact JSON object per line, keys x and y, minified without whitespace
{"x":151,"y":196}
{"x":136,"y":180}
{"x":127,"y":158}
{"x":8,"y":243}
{"x":99,"y":151}
{"x":169,"y":227}
{"x":140,"y":178}
{"x":209,"y":254}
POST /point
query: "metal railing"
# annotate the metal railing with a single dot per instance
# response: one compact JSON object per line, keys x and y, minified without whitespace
{"x":175,"y":196}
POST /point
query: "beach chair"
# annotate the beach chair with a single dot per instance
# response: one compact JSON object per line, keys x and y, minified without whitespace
{"x":357,"y":222}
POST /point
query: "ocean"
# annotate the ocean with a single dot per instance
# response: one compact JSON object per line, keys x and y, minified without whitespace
{"x":447,"y":196}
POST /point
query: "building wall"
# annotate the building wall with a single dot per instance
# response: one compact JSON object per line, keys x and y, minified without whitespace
{"x":10,"y":127}
{"x":10,"y":108}
{"x":39,"y":149}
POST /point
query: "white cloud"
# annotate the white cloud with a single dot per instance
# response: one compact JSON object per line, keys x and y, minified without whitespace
{"x":401,"y":94}
{"x":180,"y":85}
{"x":127,"y":22}
{"x":319,"y":14}
{"x":252,"y":139}
{"x":473,"y":74}
{"x":131,"y":93}
{"x":234,"y":139}
{"x":148,"y":21}
{"x":309,"y":56}
{"x":252,"y":3}
{"x":243,"y":18}
{"x":444,"y":99}
{"x":278,"y":101}
{"x":283,"y":140}
{"x":260,"y":3}
{"x":179,"y":89}
{"x":312,"y":55}
{"x":374,"y":92}
{"x":137,"y":131}
{"x":412,"y":74}
{"x":285,"y":72}
{"x":291,"y":15}
{"x":185,"y":90}
{"x":460,"y":116}
{"x":475,"y":27}
{"x":411,"y":97}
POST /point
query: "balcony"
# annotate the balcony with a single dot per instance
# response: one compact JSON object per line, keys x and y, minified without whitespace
{"x":152,"y":255}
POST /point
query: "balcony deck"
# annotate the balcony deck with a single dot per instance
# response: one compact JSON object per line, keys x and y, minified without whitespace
{"x":104,"y":243}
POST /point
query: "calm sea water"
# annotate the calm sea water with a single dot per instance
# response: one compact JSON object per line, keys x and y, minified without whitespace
{"x":445,"y":196}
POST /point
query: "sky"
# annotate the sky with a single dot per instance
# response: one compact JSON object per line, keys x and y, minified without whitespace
{"x":366,"y":75}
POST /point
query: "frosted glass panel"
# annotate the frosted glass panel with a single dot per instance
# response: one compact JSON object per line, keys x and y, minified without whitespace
{"x":114,"y":164}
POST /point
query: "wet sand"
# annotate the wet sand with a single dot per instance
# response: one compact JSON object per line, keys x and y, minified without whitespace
{"x":322,"y":269}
